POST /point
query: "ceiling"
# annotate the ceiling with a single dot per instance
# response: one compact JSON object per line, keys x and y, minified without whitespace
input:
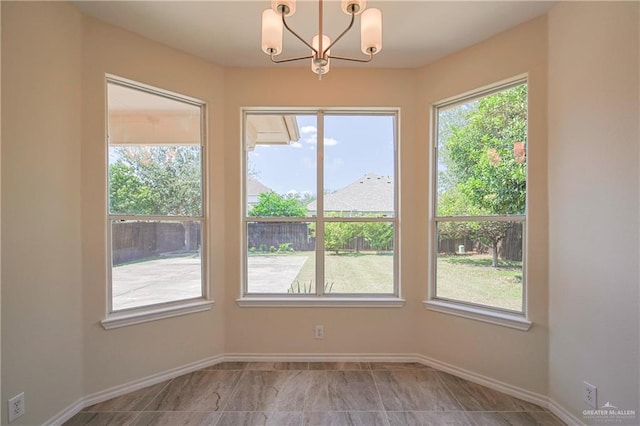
{"x":227,"y":33}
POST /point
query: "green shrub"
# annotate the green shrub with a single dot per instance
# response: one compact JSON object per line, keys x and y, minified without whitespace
{"x":285,"y":248}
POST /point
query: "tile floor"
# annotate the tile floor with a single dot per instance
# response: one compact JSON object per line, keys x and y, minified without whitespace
{"x":303,"y":393}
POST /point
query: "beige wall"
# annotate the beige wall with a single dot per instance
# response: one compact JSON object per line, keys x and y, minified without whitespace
{"x":290,"y":330}
{"x":593,"y":202}
{"x":1,"y":399}
{"x":41,"y":142}
{"x":121,"y":355}
{"x":512,"y":356}
{"x":53,"y":194}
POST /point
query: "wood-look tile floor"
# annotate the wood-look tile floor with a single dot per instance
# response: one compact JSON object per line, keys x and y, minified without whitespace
{"x":322,"y":393}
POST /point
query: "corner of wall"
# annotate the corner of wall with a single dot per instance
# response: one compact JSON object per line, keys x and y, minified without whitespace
{"x":594,"y":204}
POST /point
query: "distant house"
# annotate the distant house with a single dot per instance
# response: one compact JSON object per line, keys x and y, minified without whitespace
{"x":254,"y":189}
{"x":372,"y":193}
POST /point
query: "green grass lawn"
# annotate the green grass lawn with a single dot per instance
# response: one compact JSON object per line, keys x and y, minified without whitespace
{"x":467,"y":278}
{"x":363,"y":272}
{"x":471,"y":278}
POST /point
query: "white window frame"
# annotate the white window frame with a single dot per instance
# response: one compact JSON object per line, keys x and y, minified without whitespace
{"x":488,"y":314}
{"x":319,"y":298}
{"x":142,"y":314}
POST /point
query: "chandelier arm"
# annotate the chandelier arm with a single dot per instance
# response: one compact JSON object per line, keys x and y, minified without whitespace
{"x":298,"y":58}
{"x":284,"y":22}
{"x":344,"y":58}
{"x":353,"y":18}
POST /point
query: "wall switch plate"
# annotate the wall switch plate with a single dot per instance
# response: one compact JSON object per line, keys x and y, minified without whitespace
{"x":590,"y":395}
{"x":16,"y":407}
{"x":319,"y":332}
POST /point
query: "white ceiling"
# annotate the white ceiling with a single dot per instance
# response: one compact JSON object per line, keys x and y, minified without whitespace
{"x":415,"y":33}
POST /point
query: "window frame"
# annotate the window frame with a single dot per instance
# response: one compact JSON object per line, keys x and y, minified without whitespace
{"x":470,"y":310}
{"x":156,"y":311}
{"x":319,"y":298}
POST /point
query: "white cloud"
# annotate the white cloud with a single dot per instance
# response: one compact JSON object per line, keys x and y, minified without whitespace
{"x":310,"y":136}
{"x":305,"y":130}
{"x":296,"y":144}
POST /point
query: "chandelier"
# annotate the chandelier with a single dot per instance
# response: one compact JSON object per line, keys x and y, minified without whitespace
{"x":275,"y":18}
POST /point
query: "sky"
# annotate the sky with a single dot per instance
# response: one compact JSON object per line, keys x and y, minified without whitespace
{"x":353,"y":146}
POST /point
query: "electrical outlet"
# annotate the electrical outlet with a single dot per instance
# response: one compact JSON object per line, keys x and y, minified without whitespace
{"x":319,"y":332}
{"x":590,"y":395}
{"x":16,"y":407}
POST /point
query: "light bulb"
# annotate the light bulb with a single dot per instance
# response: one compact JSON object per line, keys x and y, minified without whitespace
{"x":319,"y":62}
{"x":271,"y":32}
{"x":371,"y":31}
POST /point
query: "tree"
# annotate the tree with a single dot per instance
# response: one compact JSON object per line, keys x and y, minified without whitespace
{"x":337,"y":235}
{"x":491,"y":233}
{"x":456,"y":203}
{"x":127,"y":193}
{"x":487,"y":154}
{"x":160,"y":180}
{"x":379,"y":235}
{"x":272,"y":204}
{"x":484,"y":166}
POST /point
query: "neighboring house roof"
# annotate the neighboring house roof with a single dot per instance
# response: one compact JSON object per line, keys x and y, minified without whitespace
{"x":371,"y":193}
{"x":255,"y":187}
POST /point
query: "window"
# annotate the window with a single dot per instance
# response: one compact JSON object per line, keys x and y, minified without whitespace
{"x":320,"y":205}
{"x":156,"y":217}
{"x":479,"y":202}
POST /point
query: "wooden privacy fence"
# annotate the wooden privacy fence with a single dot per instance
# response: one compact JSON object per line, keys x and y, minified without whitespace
{"x":263,"y":235}
{"x":510,"y":248}
{"x":139,"y":240}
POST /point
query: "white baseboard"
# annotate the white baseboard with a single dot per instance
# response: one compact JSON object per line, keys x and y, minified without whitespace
{"x":506,"y":388}
{"x":532,"y":397}
{"x":135,"y":385}
{"x":342,"y":357}
{"x":439,"y":365}
{"x":564,"y":414}
{"x":66,"y":414}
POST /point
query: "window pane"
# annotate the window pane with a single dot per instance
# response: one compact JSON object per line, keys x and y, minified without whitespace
{"x":481,"y":263}
{"x":359,"y":165}
{"x":281,"y":257}
{"x":358,"y":257}
{"x":155,"y":262}
{"x":481,"y":167}
{"x":155,"y":180}
{"x":281,"y":164}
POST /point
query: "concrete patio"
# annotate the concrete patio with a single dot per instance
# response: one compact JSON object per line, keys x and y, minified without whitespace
{"x":178,"y":278}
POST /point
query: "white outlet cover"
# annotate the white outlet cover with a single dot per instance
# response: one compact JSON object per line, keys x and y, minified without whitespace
{"x":590,"y":395}
{"x":16,"y":407}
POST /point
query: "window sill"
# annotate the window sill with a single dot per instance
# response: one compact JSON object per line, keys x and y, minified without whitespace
{"x":124,"y":319}
{"x":325,"y":302}
{"x":519,"y":322}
